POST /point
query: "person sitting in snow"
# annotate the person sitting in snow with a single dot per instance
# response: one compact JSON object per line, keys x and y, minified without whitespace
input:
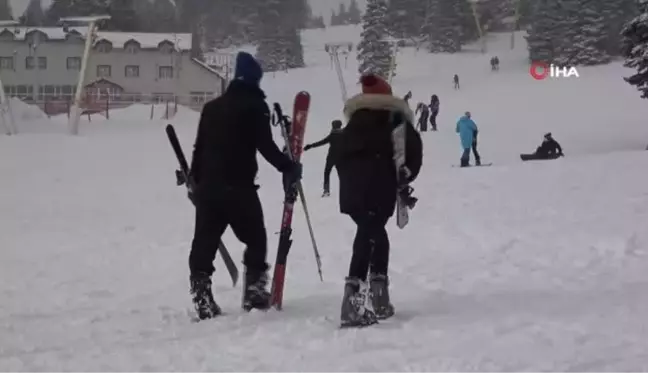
{"x":549,"y":149}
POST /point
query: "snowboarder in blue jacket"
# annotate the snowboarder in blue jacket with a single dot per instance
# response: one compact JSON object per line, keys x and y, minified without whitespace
{"x":467,"y":130}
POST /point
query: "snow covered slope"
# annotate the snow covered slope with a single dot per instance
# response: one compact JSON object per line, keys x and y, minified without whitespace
{"x":519,"y":266}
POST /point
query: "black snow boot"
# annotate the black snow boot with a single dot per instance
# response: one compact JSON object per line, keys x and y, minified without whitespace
{"x":255,"y":293}
{"x":465,"y":162}
{"x":354,"y":312}
{"x":202,"y":296}
{"x":379,"y":296}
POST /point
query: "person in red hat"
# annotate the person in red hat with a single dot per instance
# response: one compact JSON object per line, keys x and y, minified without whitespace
{"x":368,"y":188}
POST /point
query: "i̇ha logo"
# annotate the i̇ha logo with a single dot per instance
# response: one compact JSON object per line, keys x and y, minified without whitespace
{"x":541,"y":70}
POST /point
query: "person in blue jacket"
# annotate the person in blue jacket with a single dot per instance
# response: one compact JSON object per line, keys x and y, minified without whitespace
{"x":467,"y":130}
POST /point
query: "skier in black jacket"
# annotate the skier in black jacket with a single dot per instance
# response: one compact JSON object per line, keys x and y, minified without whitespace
{"x":332,"y":140}
{"x":232,"y":128}
{"x":368,"y":188}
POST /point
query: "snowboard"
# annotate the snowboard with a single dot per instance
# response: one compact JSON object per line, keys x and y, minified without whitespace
{"x":182,"y":176}
{"x":293,"y":133}
{"x":534,"y":157}
{"x":399,"y":143}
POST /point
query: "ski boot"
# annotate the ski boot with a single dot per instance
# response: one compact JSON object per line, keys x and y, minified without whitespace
{"x":202,"y":297}
{"x":326,"y":193}
{"x":477,"y":161}
{"x":354,"y":312}
{"x":379,"y":296}
{"x":255,"y":293}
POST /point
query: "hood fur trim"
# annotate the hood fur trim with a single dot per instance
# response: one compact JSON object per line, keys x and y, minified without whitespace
{"x":377,"y":102}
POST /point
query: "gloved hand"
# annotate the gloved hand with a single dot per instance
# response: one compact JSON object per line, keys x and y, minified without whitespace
{"x":307,"y":147}
{"x":292,"y":175}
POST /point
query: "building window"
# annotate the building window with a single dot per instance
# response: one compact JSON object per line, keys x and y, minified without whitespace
{"x":30,"y":63}
{"x":199,"y":98}
{"x":104,"y":71}
{"x":42,"y":63}
{"x":165,"y":72}
{"x":6,"y":63}
{"x":159,"y":97}
{"x":73,"y":63}
{"x":132,"y":48}
{"x":104,"y":47}
{"x":166,"y":48}
{"x":132,"y":71}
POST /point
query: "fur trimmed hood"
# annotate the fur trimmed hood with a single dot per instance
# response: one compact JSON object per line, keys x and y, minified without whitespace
{"x":377,"y":102}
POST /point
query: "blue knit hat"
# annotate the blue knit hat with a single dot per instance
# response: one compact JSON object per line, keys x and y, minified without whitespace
{"x":248,"y":69}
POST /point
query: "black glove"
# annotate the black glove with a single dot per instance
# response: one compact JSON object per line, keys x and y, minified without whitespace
{"x":292,"y":175}
{"x":309,"y":146}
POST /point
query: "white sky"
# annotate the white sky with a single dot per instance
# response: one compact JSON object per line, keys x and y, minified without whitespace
{"x":322,"y":7}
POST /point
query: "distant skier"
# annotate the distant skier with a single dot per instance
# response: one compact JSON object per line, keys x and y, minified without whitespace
{"x":434,"y":108}
{"x":407,"y":97}
{"x":368,"y":189}
{"x":232,"y":128}
{"x":423,"y":118}
{"x":332,"y":139}
{"x":494,"y":61}
{"x":456,"y":81}
{"x":466,"y":128}
{"x":549,"y":149}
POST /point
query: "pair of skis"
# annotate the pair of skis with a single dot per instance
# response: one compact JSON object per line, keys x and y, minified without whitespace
{"x":293,"y":134}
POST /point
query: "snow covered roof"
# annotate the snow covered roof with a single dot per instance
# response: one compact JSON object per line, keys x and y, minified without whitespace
{"x":117,"y":39}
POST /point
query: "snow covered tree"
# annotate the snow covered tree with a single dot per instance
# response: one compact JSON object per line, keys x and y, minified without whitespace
{"x":280,"y":45}
{"x":545,"y":29}
{"x":615,"y":14}
{"x":34,"y":14}
{"x":354,"y":15}
{"x":342,"y":14}
{"x":463,"y":13}
{"x":5,"y":10}
{"x":406,"y":18}
{"x":634,"y":48}
{"x":374,"y":52}
{"x":584,"y":38}
{"x":123,"y":16}
{"x":442,"y":27}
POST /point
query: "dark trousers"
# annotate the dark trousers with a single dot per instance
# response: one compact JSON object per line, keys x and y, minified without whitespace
{"x":328,"y":167}
{"x":370,"y":246}
{"x":240,"y":209}
{"x":433,"y":122}
{"x":423,"y":121}
{"x":474,"y":150}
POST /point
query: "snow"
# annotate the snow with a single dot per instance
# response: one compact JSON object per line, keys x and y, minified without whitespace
{"x":518,"y":266}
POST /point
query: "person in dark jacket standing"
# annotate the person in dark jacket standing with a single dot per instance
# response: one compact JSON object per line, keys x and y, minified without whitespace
{"x":434,"y":108}
{"x":368,"y":188}
{"x":232,"y":128}
{"x":332,"y":140}
{"x":423,"y":118}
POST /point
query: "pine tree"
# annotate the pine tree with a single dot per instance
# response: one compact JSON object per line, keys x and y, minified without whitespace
{"x":335,"y":19}
{"x":354,"y":15}
{"x":34,"y":14}
{"x":406,"y":18}
{"x":634,"y":48}
{"x":463,"y":14}
{"x":5,"y":10}
{"x":374,"y":52}
{"x":442,"y":27}
{"x":544,"y":34}
{"x":270,"y":51}
{"x":123,"y":16}
{"x":57,"y":10}
{"x":615,"y":14}
{"x":584,"y":41}
{"x":343,"y":16}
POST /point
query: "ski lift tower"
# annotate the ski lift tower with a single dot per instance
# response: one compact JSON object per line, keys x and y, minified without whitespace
{"x":334,"y":50}
{"x":394,"y":43}
{"x":91,"y":22}
{"x":473,"y":4}
{"x":5,"y":107}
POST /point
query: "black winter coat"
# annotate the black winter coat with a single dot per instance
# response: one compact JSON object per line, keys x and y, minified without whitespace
{"x":232,"y":128}
{"x":365,"y":162}
{"x":333,"y":139}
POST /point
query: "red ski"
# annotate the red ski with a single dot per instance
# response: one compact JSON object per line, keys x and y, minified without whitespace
{"x":293,"y":134}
